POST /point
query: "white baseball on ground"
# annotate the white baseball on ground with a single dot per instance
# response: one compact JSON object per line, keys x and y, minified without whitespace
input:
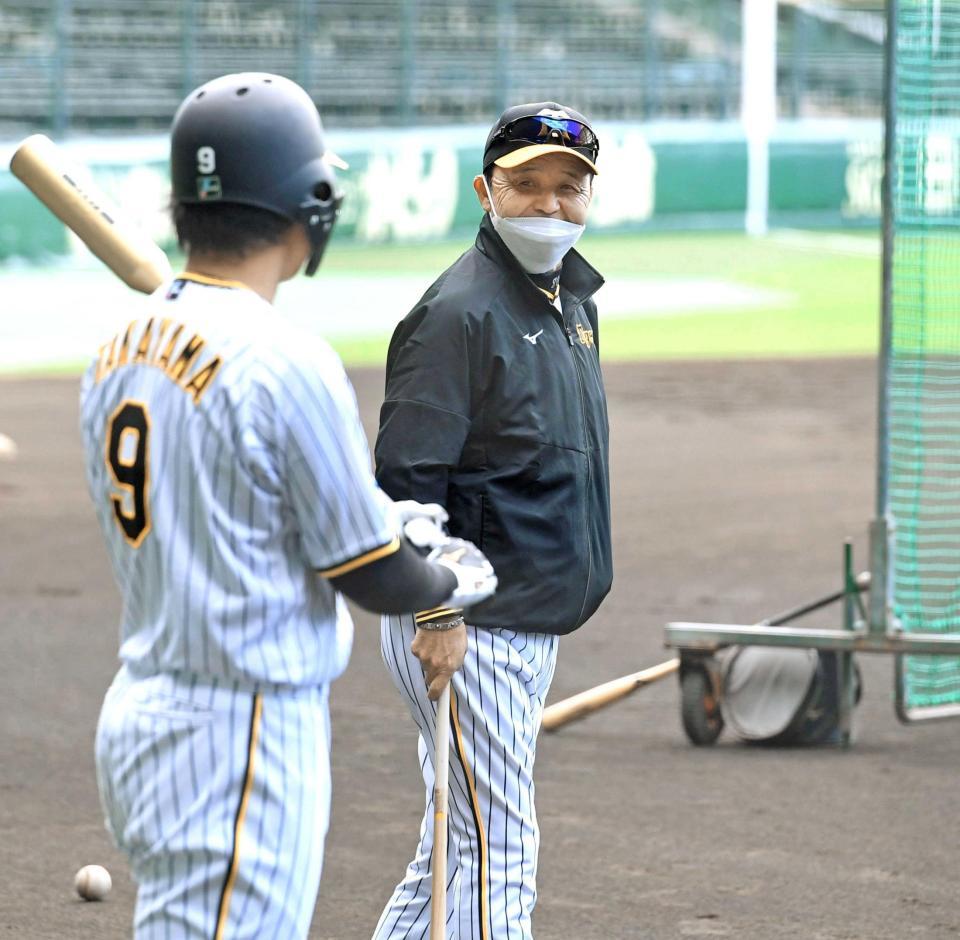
{"x":92,"y":882}
{"x":8,"y":447}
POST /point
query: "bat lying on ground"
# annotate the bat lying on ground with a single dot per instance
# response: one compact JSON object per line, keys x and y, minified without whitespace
{"x":600,"y":696}
{"x":584,"y":703}
{"x":45,"y":170}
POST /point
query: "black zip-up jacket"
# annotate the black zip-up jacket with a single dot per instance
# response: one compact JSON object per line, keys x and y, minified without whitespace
{"x":495,"y":409}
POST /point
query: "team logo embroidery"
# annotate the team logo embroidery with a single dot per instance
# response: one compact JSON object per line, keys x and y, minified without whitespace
{"x":586,"y":336}
{"x":532,"y":340}
{"x":209,"y":188}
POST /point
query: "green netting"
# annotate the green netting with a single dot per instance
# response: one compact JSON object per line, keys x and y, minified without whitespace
{"x":924,"y":367}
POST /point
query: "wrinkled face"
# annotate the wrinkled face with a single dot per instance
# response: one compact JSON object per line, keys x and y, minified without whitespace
{"x":555,"y":185}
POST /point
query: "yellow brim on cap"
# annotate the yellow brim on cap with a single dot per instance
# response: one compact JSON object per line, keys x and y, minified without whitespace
{"x":526,"y":154}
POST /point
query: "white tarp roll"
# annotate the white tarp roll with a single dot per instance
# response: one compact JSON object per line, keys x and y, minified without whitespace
{"x":763,"y":688}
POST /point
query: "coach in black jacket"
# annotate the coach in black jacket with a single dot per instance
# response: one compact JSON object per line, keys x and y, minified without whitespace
{"x":495,"y":409}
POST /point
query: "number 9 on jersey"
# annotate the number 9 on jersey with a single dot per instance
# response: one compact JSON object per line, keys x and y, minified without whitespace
{"x":128,"y":433}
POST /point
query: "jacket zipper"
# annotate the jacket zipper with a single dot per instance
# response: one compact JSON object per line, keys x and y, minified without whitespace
{"x":562,"y":323}
{"x":586,"y":445}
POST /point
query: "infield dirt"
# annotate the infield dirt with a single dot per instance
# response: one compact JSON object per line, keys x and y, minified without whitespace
{"x":734,"y":485}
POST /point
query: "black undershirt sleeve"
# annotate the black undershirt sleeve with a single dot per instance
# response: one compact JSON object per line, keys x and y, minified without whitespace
{"x":400,"y":583}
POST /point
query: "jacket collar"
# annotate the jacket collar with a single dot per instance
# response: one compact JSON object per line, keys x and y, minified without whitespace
{"x":577,"y":276}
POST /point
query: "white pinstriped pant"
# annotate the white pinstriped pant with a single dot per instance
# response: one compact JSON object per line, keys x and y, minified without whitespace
{"x":496,"y":709}
{"x":220,"y":799}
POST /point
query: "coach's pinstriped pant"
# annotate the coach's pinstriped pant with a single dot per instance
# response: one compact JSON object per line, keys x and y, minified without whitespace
{"x":220,"y":799}
{"x":496,"y":708}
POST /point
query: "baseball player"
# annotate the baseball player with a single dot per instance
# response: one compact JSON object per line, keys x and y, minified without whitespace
{"x":495,"y":409}
{"x":232,"y":482}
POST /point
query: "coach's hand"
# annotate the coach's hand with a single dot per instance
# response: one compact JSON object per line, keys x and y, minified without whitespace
{"x":441,"y":654}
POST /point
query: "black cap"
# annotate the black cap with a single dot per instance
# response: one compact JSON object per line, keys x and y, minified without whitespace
{"x":549,"y":128}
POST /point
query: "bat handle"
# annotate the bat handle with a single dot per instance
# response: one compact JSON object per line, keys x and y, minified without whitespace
{"x":441,"y":751}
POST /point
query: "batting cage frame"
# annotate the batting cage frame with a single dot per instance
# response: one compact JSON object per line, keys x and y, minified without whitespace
{"x":914,"y":582}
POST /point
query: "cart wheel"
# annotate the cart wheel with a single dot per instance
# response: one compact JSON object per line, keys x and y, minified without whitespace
{"x":700,"y":708}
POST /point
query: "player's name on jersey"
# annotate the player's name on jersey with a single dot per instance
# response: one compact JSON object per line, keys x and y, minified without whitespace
{"x":164,"y":345}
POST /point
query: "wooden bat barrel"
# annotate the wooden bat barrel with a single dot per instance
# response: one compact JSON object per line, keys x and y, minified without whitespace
{"x":136,"y":259}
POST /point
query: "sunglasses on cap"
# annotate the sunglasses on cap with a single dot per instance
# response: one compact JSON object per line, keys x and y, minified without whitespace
{"x":543,"y":129}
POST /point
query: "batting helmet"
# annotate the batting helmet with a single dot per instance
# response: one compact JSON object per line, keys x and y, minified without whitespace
{"x":256,"y":139}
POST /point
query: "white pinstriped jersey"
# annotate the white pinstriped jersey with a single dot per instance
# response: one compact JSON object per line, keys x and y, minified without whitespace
{"x":226,"y":460}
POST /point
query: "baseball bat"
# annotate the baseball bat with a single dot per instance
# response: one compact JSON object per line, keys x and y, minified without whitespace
{"x":585,"y":703}
{"x":441,"y":750}
{"x":591,"y":700}
{"x":45,"y":170}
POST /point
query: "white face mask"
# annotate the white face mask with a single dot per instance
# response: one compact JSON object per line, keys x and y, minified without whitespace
{"x":538,"y":243}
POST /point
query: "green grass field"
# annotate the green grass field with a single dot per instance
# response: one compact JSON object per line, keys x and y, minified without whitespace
{"x":830,"y":307}
{"x":793,"y":294}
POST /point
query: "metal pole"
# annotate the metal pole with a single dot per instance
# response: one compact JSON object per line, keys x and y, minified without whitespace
{"x":651,"y":61}
{"x":879,"y":535}
{"x":188,"y":46}
{"x":304,"y":37}
{"x":504,"y":53}
{"x":758,"y":105}
{"x":408,"y":61}
{"x":731,"y":32}
{"x":846,"y":690}
{"x":801,"y":48}
{"x":860,"y":583}
{"x":61,"y":63}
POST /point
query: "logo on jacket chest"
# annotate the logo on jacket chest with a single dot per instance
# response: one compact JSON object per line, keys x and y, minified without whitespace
{"x":585,"y":336}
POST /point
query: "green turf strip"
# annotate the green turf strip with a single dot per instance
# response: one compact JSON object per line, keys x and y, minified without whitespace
{"x":833,"y":308}
{"x":830,"y":299}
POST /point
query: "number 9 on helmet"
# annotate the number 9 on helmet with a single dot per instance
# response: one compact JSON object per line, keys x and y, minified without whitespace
{"x":255,"y":139}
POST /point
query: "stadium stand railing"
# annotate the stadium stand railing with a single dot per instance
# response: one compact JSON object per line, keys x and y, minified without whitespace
{"x":124,"y":65}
